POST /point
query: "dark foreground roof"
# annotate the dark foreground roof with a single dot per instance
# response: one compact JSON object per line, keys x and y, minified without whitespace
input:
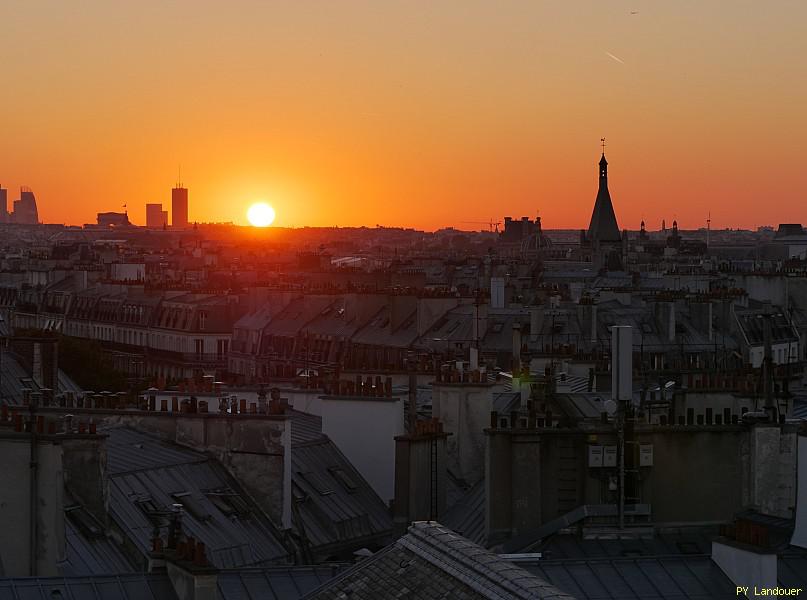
{"x":658,"y":578}
{"x":147,"y":475}
{"x":274,"y":583}
{"x":136,"y":586}
{"x":432,"y":562}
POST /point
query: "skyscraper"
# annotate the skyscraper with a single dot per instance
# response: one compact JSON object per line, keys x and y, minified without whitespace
{"x":25,"y":210}
{"x":179,"y":207}
{"x":156,"y":217}
{"x":3,"y":205}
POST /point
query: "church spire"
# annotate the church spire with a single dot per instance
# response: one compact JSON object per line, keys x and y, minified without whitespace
{"x":603,"y":226}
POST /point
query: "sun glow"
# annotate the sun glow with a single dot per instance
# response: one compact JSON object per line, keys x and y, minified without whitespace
{"x":261,"y":214}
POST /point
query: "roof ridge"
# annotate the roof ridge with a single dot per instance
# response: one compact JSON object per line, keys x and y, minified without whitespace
{"x":495,"y":584}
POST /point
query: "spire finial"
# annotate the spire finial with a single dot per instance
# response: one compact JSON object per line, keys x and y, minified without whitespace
{"x":602,"y":141}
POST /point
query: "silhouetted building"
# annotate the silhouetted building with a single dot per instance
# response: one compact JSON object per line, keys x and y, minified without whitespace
{"x":156,"y":217}
{"x":603,"y":232}
{"x":113,"y":219}
{"x":3,"y":205}
{"x":25,"y":210}
{"x":179,"y":207}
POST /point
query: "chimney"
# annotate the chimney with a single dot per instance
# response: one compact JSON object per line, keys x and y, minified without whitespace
{"x":746,"y":553}
{"x":622,"y":363}
{"x":516,"y":367}
{"x":185,"y":562}
{"x":671,"y":321}
{"x":420,"y":474}
{"x":665,"y":318}
{"x":701,"y":314}
{"x":536,"y":322}
{"x":479,"y":326}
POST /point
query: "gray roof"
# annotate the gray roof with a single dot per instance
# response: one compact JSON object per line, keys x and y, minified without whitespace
{"x":678,"y":541}
{"x":143,"y":468}
{"x":12,"y":374}
{"x":467,"y":517}
{"x":336,"y":508}
{"x":676,"y":577}
{"x":305,"y":427}
{"x":137,"y":586}
{"x":276,"y":583}
{"x":431,"y":561}
{"x":91,"y":555}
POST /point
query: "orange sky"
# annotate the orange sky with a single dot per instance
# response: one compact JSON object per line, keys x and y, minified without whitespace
{"x":421,"y":114}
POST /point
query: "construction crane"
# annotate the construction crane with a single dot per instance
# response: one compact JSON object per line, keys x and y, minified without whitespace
{"x":493,"y":226}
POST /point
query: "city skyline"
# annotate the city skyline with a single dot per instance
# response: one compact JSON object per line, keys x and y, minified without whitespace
{"x":420,"y":118}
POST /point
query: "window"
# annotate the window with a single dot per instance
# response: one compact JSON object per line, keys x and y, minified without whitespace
{"x":202,"y":320}
{"x":200,"y":346}
{"x":84,"y":521}
{"x":149,"y":508}
{"x":344,"y":478}
{"x":191,"y":505}
{"x":229,"y":502}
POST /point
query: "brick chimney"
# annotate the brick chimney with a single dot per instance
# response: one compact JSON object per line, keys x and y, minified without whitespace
{"x":420,"y":463}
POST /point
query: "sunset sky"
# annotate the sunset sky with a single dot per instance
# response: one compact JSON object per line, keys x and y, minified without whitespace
{"x":422,"y":114}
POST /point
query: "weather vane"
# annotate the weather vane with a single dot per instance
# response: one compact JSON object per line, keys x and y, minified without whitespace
{"x":603,"y":144}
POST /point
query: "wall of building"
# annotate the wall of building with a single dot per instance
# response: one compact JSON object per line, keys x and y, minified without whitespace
{"x":464,"y":409}
{"x":364,"y":429}
{"x":699,"y":473}
{"x":15,"y":454}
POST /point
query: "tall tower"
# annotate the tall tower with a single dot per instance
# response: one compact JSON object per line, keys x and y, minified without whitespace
{"x":179,"y":207}
{"x":603,"y":227}
{"x":603,"y":230}
{"x":25,"y":210}
{"x":3,"y":205}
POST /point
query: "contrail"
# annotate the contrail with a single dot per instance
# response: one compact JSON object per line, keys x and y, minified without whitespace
{"x":616,"y":58}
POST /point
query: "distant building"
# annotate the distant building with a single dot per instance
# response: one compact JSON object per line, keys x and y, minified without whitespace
{"x":603,"y":236}
{"x":156,"y":217}
{"x":113,"y":219}
{"x":25,"y":211}
{"x":179,"y":207}
{"x":3,"y":205}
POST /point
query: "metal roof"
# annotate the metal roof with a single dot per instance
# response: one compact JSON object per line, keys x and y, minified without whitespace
{"x":695,"y":578}
{"x":91,"y":556}
{"x":118,"y":587}
{"x":132,"y":450}
{"x":305,"y":427}
{"x":242,"y":536}
{"x":467,"y":517}
{"x":432,"y":562}
{"x":277,"y":583}
{"x":12,"y":375}
{"x":338,"y":508}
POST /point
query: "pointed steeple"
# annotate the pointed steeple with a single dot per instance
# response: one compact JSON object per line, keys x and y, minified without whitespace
{"x":603,"y":226}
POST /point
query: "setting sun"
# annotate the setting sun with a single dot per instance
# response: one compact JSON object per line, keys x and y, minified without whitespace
{"x":261,"y":214}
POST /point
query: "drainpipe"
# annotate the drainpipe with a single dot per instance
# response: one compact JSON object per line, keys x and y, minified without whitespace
{"x":33,"y":479}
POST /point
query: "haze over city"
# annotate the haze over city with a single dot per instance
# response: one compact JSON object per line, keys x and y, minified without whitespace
{"x":357,"y":113}
{"x":352,"y":300}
